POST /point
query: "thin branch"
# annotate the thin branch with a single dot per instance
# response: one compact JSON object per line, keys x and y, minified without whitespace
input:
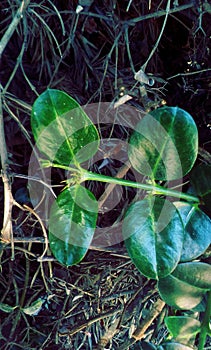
{"x":29,"y":240}
{"x":33,"y":178}
{"x":20,"y":56}
{"x":132,"y":21}
{"x":89,"y":322}
{"x":144,"y":325}
{"x":108,"y":335}
{"x":6,"y":232}
{"x":160,"y":13}
{"x":26,"y":207}
{"x":160,"y":35}
{"x":189,"y":73}
{"x":13,"y":25}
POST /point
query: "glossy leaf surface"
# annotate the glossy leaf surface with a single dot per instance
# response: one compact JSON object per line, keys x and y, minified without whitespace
{"x":165,"y":143}
{"x":72,"y":224}
{"x":183,"y":329}
{"x":174,"y":346}
{"x":7,"y":308}
{"x":186,"y":286}
{"x":34,"y":308}
{"x":153,"y":235}
{"x":197,"y":234}
{"x":62,"y":130}
{"x":200,"y":178}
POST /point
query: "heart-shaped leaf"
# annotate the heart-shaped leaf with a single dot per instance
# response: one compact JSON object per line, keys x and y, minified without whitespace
{"x":72,"y":224}
{"x":164,"y":144}
{"x":197,"y":236}
{"x":182,"y":328}
{"x":153,"y":234}
{"x":200,"y":178}
{"x":186,"y":286}
{"x":62,"y":130}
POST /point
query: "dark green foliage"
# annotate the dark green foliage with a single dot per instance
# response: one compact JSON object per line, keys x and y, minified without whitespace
{"x":162,"y":238}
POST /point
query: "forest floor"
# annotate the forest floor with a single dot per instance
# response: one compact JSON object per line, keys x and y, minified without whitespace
{"x":91,"y":52}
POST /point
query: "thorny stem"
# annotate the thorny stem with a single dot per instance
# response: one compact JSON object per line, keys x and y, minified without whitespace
{"x":80,"y":175}
{"x":121,"y":173}
{"x":155,"y":189}
{"x":47,"y":163}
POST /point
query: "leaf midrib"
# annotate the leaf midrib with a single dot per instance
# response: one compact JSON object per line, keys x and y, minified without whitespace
{"x":163,"y":146}
{"x":59,"y":121}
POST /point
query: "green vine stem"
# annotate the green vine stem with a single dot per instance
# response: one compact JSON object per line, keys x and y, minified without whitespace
{"x":205,"y":327}
{"x":155,"y":189}
{"x":80,"y":175}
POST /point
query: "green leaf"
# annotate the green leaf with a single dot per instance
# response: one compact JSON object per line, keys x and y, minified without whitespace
{"x":7,"y":308}
{"x":186,"y":286}
{"x":72,"y":224}
{"x":197,"y":225}
{"x":182,"y":328}
{"x":200,"y":178}
{"x":62,"y":130}
{"x":164,"y":145}
{"x":153,"y":234}
{"x":173,"y":346}
{"x":35,"y":307}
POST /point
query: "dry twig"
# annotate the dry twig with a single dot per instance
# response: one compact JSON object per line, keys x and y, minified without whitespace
{"x":13,"y":25}
{"x":8,"y":198}
{"x":90,"y":322}
{"x":145,"y":324}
